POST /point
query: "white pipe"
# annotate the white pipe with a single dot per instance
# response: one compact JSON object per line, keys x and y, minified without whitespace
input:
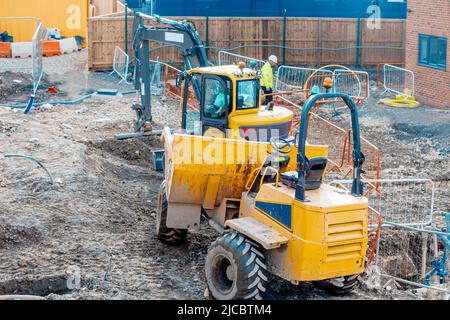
{"x":20,"y":297}
{"x":424,"y":254}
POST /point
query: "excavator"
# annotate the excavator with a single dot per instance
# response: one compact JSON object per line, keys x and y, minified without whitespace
{"x":228,"y":96}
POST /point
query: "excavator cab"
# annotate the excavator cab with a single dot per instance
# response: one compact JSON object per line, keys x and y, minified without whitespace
{"x":229,"y":105}
{"x":228,"y":96}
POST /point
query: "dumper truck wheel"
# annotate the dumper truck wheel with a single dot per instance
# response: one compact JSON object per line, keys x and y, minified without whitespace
{"x":235,"y":269}
{"x":340,"y":286}
{"x":165,"y":234}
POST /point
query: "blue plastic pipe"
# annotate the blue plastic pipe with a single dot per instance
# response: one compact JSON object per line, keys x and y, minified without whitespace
{"x":30,"y":104}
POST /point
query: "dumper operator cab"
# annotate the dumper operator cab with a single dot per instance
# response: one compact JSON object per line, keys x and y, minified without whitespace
{"x":229,"y":105}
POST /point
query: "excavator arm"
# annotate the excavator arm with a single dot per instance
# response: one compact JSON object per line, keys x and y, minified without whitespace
{"x":181,"y":34}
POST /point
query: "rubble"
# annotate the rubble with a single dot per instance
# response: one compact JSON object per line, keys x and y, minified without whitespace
{"x":99,"y":216}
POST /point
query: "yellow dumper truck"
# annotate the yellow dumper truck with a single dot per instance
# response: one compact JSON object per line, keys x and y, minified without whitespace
{"x":271,"y":206}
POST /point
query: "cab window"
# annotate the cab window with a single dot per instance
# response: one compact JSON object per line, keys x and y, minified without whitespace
{"x":247,"y":94}
{"x":217,"y":98}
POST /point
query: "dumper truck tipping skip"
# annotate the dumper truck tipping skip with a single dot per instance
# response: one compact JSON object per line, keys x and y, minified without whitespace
{"x":273,"y":210}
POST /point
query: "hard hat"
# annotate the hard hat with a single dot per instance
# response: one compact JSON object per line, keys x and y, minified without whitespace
{"x":252,"y":64}
{"x":273,"y":58}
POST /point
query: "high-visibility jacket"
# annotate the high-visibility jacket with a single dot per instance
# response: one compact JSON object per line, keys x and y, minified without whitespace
{"x":267,"y":78}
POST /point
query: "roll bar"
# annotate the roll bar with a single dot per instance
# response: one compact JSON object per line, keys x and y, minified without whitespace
{"x":358,"y":156}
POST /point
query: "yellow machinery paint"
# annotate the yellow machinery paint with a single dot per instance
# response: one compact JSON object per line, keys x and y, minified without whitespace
{"x":327,"y":236}
{"x":255,"y":117}
{"x":270,"y":194}
{"x":70,"y":16}
{"x":192,"y":160}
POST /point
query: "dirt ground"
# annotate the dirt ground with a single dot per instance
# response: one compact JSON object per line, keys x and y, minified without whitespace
{"x":95,"y":224}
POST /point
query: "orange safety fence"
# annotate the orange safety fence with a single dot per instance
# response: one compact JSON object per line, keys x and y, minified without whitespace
{"x":171,"y":89}
{"x":374,"y":223}
{"x":371,"y":166}
{"x":170,"y":81}
{"x":379,"y":69}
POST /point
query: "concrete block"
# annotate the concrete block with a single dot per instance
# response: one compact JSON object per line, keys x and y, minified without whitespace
{"x":21,"y":49}
{"x":68,"y":45}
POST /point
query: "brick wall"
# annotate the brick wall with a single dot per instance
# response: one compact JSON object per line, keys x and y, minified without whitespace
{"x":428,"y":17}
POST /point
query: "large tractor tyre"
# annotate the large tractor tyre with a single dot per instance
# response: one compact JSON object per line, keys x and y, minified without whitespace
{"x":335,"y":287}
{"x":236,"y":269}
{"x":165,"y":234}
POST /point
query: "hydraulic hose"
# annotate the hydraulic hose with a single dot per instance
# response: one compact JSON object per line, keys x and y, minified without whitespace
{"x":69,"y":102}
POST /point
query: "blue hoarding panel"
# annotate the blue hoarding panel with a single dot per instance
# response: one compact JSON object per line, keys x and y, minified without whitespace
{"x":388,"y":9}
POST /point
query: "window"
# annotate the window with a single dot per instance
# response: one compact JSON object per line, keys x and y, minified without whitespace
{"x":433,"y":51}
{"x":217,"y":98}
{"x":247,"y":94}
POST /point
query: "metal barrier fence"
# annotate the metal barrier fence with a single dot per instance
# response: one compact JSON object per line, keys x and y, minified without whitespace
{"x":354,"y":83}
{"x":33,"y":66}
{"x":410,"y":258}
{"x":37,"y":60}
{"x":379,"y":71}
{"x":157,"y":81}
{"x":121,"y":64}
{"x":406,"y":202}
{"x":411,"y":243}
{"x":228,"y":58}
{"x":398,"y":80}
{"x":295,"y":78}
{"x":401,"y":202}
{"x":164,"y":79}
{"x":414,"y":244}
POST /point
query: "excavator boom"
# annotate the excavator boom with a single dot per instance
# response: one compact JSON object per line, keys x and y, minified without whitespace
{"x":181,"y":34}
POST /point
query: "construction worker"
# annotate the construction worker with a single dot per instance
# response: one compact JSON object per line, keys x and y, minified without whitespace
{"x":219,"y":106}
{"x":268,"y":79}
